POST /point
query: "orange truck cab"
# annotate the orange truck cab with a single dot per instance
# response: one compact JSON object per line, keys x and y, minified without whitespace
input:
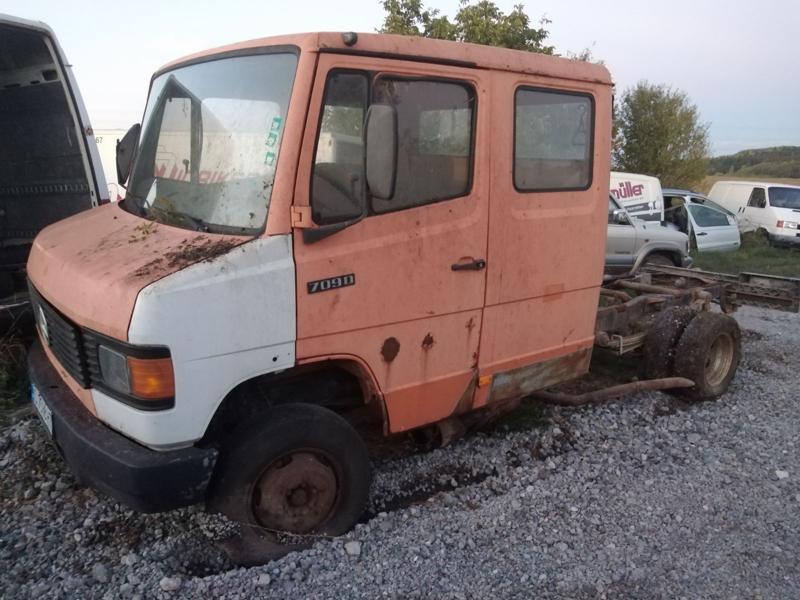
{"x":315,"y":224}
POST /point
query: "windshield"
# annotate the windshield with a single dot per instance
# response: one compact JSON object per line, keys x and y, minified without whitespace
{"x":210,"y":142}
{"x":784,"y":197}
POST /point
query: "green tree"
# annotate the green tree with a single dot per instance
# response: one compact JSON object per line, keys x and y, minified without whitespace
{"x":479,"y":22}
{"x":658,"y":132}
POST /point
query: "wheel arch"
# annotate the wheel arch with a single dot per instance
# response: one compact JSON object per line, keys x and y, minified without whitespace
{"x":341,"y":383}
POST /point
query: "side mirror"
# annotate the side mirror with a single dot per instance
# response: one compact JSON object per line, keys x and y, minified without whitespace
{"x":620,"y":217}
{"x":380,"y":148}
{"x":126,"y":150}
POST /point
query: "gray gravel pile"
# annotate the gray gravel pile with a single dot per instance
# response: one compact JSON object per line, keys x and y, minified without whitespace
{"x":645,"y":497}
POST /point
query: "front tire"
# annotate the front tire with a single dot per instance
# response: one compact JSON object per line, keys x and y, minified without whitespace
{"x":298,"y":469}
{"x":659,"y":260}
{"x":708,"y":353}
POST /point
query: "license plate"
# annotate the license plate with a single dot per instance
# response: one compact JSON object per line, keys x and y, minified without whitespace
{"x":44,"y":411}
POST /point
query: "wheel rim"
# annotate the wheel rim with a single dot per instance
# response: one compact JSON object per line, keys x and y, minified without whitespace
{"x":719,"y":359}
{"x":296,"y":493}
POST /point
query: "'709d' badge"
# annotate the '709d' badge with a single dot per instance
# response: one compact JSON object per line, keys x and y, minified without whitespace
{"x":331,"y":283}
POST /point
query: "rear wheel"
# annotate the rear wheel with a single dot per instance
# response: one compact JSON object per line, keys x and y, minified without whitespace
{"x":298,"y":469}
{"x":708,"y":353}
{"x":659,"y":344}
{"x":764,"y":237}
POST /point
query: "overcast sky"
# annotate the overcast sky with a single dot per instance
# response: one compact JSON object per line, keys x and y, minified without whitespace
{"x":739,"y":61}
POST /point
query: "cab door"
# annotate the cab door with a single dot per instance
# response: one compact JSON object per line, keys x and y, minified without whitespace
{"x":396,"y":284}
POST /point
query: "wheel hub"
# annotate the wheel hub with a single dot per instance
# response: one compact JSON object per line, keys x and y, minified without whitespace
{"x":296,"y":493}
{"x":719,"y":360}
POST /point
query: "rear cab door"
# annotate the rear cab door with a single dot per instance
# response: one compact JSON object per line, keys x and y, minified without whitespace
{"x":400,"y":288}
{"x":547,"y":231}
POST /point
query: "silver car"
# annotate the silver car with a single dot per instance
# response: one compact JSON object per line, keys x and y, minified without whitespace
{"x":710,"y":227}
{"x":630,"y":238}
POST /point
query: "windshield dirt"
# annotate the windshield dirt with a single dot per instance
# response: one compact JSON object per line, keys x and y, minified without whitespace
{"x":210,"y":142}
{"x":784,"y":197}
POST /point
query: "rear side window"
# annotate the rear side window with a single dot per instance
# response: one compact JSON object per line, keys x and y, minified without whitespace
{"x":758,"y":198}
{"x":552,"y":140}
{"x":435,"y":123}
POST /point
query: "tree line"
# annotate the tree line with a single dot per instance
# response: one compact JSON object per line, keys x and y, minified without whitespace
{"x":780,"y":161}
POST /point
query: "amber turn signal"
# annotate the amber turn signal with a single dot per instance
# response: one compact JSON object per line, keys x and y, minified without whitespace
{"x":151,"y":378}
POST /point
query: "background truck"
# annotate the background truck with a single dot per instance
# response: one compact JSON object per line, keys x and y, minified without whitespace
{"x":639,"y":194}
{"x":49,"y":165}
{"x":249,"y":317}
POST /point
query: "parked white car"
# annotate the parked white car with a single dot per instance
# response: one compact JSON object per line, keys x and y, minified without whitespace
{"x":640,"y":195}
{"x":710,"y":227}
{"x":770,"y":209}
{"x":629,"y":238}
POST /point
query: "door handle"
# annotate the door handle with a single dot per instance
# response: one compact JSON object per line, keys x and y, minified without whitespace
{"x":473,"y":265}
{"x":703,"y":233}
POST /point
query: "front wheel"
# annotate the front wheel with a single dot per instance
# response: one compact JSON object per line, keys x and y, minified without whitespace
{"x":708,"y":353}
{"x":659,"y":260}
{"x":298,"y":469}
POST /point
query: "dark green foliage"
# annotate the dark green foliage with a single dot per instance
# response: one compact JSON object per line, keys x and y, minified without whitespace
{"x":658,"y":132}
{"x":781,"y":161}
{"x":480,"y":23}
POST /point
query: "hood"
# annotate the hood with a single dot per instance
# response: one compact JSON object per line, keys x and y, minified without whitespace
{"x":656,"y":232}
{"x":93,"y":265}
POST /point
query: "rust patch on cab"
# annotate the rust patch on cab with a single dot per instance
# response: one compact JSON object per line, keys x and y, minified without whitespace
{"x":390,"y":349}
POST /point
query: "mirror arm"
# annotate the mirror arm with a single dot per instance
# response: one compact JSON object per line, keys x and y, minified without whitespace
{"x":315,"y":234}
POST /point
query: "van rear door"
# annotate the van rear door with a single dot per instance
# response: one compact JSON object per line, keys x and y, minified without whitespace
{"x":48,"y":156}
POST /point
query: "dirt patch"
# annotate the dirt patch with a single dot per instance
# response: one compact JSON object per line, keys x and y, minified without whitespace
{"x":200,"y":249}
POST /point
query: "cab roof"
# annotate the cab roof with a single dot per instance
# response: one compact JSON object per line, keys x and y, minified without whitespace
{"x":422,"y":49}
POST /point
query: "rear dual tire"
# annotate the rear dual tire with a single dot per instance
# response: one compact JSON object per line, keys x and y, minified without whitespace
{"x":702,"y":346}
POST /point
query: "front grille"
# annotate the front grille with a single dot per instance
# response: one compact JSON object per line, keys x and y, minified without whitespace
{"x":65,"y":339}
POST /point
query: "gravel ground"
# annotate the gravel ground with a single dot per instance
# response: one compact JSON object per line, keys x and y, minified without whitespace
{"x":644,"y":497}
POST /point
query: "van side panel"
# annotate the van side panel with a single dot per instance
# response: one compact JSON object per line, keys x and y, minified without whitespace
{"x":546,"y":249}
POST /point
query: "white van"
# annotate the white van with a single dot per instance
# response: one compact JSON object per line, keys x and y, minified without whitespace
{"x":640,"y":195}
{"x":771,"y":209}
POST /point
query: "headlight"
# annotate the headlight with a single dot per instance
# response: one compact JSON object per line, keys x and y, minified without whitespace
{"x":142,"y":382}
{"x":788,"y":224}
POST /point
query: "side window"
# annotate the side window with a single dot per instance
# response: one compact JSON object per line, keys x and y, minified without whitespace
{"x":434,"y":140}
{"x":173,"y":154}
{"x":758,"y":198}
{"x":708,"y":217}
{"x":552,"y":140}
{"x":337,"y":185}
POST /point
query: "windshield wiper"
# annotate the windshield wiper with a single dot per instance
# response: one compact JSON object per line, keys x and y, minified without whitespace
{"x":198,"y":223}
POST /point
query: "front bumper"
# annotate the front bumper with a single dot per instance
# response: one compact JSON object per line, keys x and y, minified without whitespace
{"x":143,"y":479}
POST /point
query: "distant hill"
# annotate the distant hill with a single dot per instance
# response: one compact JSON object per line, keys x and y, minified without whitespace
{"x":781,"y":161}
